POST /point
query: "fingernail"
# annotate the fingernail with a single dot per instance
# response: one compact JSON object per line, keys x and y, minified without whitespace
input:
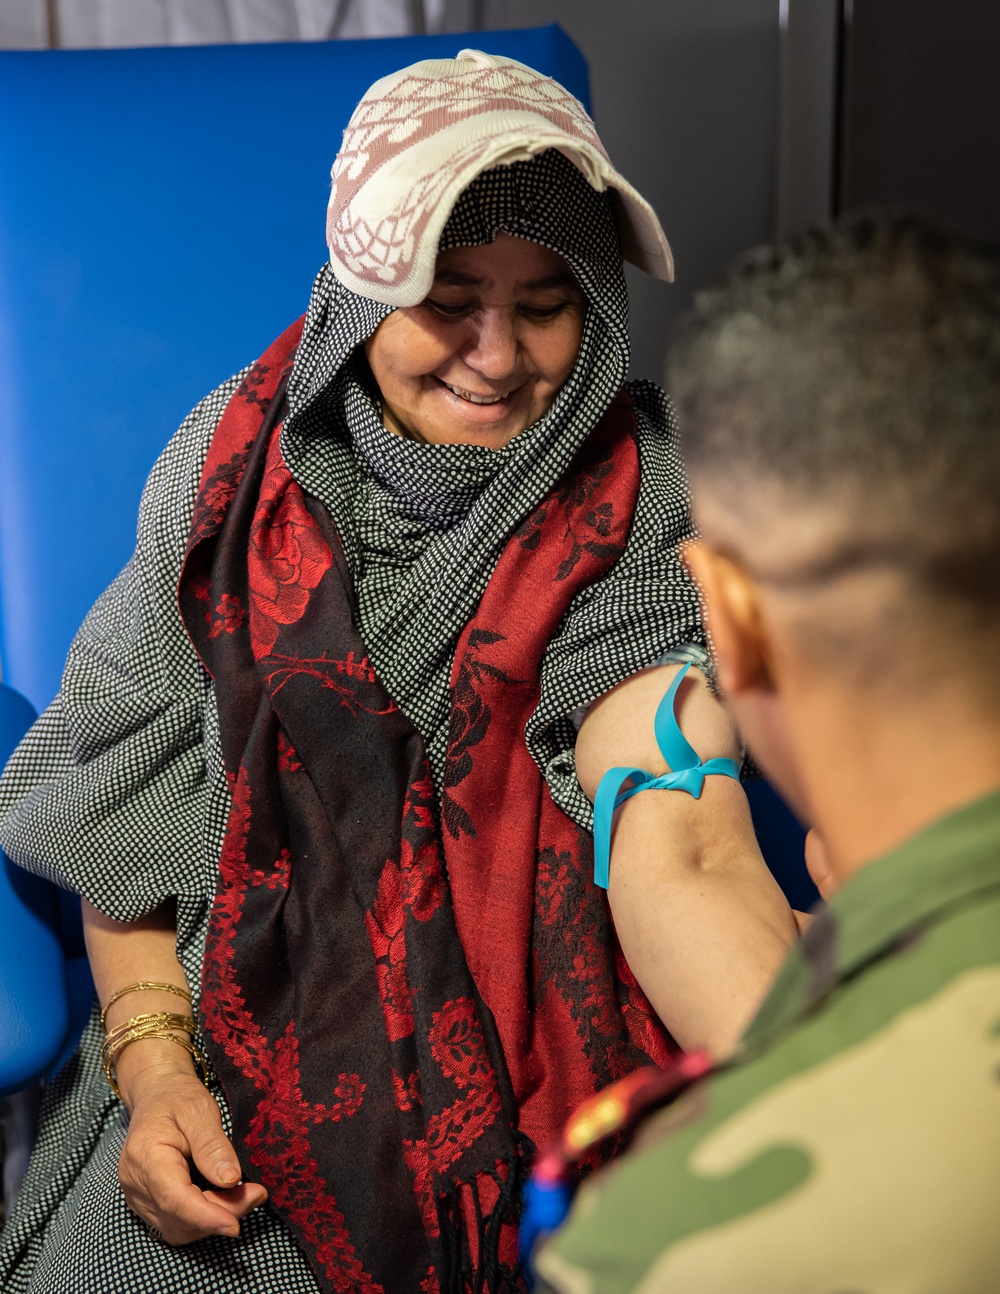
{"x":261,"y":1199}
{"x":227,"y":1171}
{"x":232,"y":1230}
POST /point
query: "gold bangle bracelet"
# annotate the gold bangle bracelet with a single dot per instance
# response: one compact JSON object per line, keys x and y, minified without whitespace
{"x":142,"y":986}
{"x":140,"y":1024}
{"x":157,"y":1024}
{"x":190,"y":1047}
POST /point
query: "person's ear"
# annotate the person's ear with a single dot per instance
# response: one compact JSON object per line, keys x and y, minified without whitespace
{"x":735,"y":619}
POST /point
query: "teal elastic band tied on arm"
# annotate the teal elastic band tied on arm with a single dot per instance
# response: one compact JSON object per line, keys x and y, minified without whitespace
{"x":687,"y":773}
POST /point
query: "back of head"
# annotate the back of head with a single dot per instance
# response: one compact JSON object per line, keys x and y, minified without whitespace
{"x":840,"y":399}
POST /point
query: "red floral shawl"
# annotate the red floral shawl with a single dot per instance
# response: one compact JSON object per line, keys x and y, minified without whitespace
{"x":398,"y":999}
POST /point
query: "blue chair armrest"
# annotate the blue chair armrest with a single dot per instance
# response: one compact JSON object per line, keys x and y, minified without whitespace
{"x":34,"y":1006}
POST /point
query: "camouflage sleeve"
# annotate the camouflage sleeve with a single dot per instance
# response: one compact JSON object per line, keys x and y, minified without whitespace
{"x":820,"y":1164}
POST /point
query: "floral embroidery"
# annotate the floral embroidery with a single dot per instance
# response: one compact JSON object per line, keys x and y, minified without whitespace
{"x":384,"y":924}
{"x":288,"y":760}
{"x":279,"y":878}
{"x":468,"y":726}
{"x":287,"y":559}
{"x":586,"y":529}
{"x":249,"y":389}
{"x":227,"y":617}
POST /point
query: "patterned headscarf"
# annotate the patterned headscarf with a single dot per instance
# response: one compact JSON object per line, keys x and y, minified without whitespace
{"x":420,"y":137}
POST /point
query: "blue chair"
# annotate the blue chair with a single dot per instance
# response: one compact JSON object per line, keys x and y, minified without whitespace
{"x":45,"y":983}
{"x":34,"y":999}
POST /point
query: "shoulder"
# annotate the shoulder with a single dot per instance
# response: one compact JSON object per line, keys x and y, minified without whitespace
{"x":821,"y":1149}
{"x":172,"y":486}
{"x":664,"y":487}
{"x":654,"y":409}
{"x":186,"y":450}
{"x":662,"y":517}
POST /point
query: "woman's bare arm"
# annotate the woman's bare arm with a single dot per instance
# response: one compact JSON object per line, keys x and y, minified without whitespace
{"x":703,"y":924}
{"x":175,"y":1121}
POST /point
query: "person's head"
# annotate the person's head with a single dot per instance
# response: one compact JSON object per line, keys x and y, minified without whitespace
{"x":473,"y":197}
{"x":486,"y":352}
{"x":840,"y":405}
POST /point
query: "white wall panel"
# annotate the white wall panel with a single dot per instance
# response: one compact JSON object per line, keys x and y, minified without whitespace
{"x":377,"y":18}
{"x":23,"y":24}
{"x":314,"y":18}
{"x":80,"y":24}
{"x":198,"y":22}
{"x":260,"y":20}
{"x":94,"y":23}
{"x":132,"y":22}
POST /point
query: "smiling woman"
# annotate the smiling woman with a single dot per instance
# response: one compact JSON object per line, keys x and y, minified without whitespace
{"x":484,"y":355}
{"x":315,"y":758}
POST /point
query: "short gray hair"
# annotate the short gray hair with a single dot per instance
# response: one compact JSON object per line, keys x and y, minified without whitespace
{"x":860,"y":362}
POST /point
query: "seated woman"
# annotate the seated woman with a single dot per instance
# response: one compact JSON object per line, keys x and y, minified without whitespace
{"x":313,"y":758}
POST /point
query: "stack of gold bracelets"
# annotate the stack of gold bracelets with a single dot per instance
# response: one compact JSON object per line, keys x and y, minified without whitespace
{"x":154,"y":1024}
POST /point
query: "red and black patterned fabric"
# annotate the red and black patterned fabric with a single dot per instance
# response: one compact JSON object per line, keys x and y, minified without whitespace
{"x":402,"y":990}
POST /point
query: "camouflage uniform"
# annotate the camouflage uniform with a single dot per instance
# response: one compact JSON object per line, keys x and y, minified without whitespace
{"x":854,"y":1148}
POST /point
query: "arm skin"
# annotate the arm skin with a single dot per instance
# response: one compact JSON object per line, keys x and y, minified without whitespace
{"x":703,"y":924}
{"x":175,"y":1120}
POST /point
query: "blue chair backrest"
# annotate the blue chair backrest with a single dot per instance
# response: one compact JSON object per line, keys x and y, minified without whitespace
{"x":162,"y":217}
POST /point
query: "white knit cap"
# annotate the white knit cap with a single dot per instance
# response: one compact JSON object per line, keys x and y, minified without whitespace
{"x":421,"y":136}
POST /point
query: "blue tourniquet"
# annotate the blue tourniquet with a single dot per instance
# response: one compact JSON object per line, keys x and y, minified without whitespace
{"x":687,"y":774}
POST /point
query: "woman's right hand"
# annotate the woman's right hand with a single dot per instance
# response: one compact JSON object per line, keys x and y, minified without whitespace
{"x":175,"y":1122}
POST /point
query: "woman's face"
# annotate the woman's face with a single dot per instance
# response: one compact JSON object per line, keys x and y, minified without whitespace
{"x":483,"y":356}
